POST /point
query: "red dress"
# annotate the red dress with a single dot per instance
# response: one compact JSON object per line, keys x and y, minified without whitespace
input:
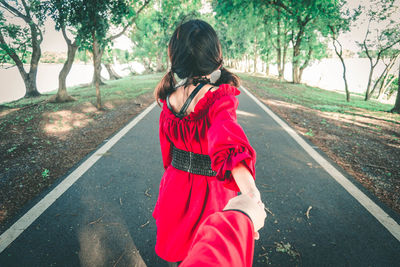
{"x":186,"y":199}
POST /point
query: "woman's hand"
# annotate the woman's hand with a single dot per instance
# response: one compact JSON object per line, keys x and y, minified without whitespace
{"x":252,"y":206}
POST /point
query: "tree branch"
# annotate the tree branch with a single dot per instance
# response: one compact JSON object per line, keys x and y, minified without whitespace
{"x":26,"y":8}
{"x":278,"y":3}
{"x":15,"y":11}
{"x":10,"y":52}
{"x":65,"y":35}
{"x":146,"y":2}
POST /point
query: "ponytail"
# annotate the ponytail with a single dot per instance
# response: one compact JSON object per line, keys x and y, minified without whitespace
{"x":165,"y":86}
{"x":228,"y":77}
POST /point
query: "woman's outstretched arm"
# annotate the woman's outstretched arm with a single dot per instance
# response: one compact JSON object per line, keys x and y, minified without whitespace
{"x":245,"y":180}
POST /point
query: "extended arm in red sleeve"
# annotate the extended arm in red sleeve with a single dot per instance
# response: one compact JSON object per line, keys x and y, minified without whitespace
{"x":227,"y":143}
{"x":223,"y":239}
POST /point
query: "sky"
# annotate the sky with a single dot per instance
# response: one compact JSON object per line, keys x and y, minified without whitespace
{"x":54,"y":41}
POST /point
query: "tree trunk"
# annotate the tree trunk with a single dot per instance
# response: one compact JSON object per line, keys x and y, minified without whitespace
{"x":30,"y":84}
{"x":97,"y":65}
{"x":62,"y":95}
{"x":160,"y":66}
{"x":367,"y":93}
{"x":306,"y":62}
{"x":385,"y":74}
{"x":255,"y":52}
{"x":396,"y":108}
{"x":278,"y":46}
{"x":371,"y":71}
{"x":113,"y":75}
{"x":279,"y":62}
{"x":98,"y":78}
{"x":296,"y":50}
{"x":385,"y":86}
{"x":295,"y":63}
{"x":29,"y":78}
{"x":167,"y":60}
{"x":346,"y":86}
{"x":248,"y":64}
{"x":284,"y":60}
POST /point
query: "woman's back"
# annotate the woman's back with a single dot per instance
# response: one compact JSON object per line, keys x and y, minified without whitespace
{"x":200,"y":147}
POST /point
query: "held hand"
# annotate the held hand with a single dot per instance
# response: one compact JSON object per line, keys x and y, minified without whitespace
{"x":250,"y":204}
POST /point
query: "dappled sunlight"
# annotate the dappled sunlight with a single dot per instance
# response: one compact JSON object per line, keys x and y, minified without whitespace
{"x":244,"y":113}
{"x":282,"y":104}
{"x":394,"y":145}
{"x":89,"y":108}
{"x":363,"y":122}
{"x":103,"y":234}
{"x":7,"y":111}
{"x":92,"y":251}
{"x":109,"y":105}
{"x":61,"y":122}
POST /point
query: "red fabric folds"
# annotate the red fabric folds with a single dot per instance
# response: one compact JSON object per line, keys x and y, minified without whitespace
{"x":224,"y":239}
{"x":186,"y":199}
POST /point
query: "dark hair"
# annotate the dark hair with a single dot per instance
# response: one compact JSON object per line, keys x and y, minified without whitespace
{"x":194,"y":50}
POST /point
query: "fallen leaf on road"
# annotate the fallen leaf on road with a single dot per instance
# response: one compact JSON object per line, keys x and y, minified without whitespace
{"x":308,"y":212}
{"x":96,"y":221}
{"x":287,"y":248}
{"x":270,"y":212}
{"x":147,"y":193}
{"x":146,"y":223}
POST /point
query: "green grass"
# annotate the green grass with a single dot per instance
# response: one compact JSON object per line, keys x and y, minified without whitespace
{"x":316,"y":98}
{"x":123,"y":89}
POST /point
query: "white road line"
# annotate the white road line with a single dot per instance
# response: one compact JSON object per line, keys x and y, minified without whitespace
{"x":28,"y":218}
{"x":388,"y":222}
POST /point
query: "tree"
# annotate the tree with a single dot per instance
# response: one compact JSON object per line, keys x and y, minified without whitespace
{"x":22,"y":43}
{"x":278,"y":29}
{"x":383,"y":81}
{"x":306,"y":18}
{"x":383,"y":34}
{"x":98,"y":19}
{"x":313,"y":47}
{"x":155,"y":27}
{"x":65,"y":14}
{"x":396,"y":108}
{"x":340,"y":24}
{"x":240,"y":28}
{"x":147,"y":40}
{"x":108,"y":61}
{"x":120,"y":21}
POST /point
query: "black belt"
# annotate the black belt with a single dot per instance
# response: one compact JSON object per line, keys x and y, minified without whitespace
{"x":192,"y":162}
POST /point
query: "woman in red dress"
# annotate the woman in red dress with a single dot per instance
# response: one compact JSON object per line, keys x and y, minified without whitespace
{"x":206,"y":154}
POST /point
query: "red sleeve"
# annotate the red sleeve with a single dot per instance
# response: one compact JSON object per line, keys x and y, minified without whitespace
{"x":223,"y":239}
{"x":166,"y":145}
{"x":227,"y":142}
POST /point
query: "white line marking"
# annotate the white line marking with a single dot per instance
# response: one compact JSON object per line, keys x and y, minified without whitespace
{"x":388,"y":222}
{"x":28,"y":218}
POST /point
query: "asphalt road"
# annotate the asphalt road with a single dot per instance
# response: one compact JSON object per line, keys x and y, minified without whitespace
{"x":104,"y":218}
